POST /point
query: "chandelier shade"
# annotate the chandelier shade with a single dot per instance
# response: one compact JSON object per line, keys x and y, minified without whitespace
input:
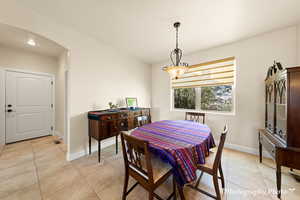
{"x":177,"y":68}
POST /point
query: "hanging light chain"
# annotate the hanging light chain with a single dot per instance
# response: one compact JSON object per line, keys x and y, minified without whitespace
{"x":177,"y":68}
{"x":177,"y":37}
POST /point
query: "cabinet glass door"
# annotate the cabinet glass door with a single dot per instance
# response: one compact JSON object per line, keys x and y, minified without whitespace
{"x":270,"y":107}
{"x":280,"y":92}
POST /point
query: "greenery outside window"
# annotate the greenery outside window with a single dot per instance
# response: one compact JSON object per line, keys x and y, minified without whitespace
{"x":217,"y":98}
{"x":185,"y":98}
{"x":212,"y":98}
{"x":207,"y":87}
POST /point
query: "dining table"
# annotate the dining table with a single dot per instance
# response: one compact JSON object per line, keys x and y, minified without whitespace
{"x":181,"y":143}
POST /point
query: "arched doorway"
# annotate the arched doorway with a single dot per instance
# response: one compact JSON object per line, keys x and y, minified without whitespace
{"x":33,"y":77}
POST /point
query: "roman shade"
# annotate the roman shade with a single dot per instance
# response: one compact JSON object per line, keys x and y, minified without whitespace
{"x":213,"y":73}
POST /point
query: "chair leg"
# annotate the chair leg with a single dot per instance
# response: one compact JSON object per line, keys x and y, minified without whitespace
{"x":198,"y":181}
{"x":174,"y":188}
{"x":216,"y":184}
{"x":151,"y":196}
{"x":99,"y":150}
{"x":222,"y":176}
{"x":180,"y":191}
{"x":125,"y":186}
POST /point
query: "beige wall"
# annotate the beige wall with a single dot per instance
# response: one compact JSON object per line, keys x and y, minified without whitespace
{"x":102,"y":75}
{"x":60,"y":97}
{"x":98,"y":73}
{"x":253,"y":57}
{"x":25,"y":60}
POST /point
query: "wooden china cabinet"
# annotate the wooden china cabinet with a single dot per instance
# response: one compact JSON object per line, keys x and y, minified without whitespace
{"x":104,"y":124}
{"x":281,"y":135}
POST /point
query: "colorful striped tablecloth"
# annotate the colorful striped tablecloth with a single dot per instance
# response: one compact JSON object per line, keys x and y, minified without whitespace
{"x":180,"y":143}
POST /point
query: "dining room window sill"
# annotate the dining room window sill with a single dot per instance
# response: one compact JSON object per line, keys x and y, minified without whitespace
{"x":203,"y":111}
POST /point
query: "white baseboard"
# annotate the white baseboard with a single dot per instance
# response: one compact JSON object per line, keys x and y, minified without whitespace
{"x":245,"y":149}
{"x":57,"y":133}
{"x":104,"y":144}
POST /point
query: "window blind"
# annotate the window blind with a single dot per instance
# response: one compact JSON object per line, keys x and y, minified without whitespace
{"x":213,"y":73}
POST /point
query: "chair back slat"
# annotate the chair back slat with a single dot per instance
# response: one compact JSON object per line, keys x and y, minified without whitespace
{"x":137,"y":156}
{"x":193,"y":116}
{"x":134,"y":158}
{"x":218,"y":157}
{"x":142,"y":120}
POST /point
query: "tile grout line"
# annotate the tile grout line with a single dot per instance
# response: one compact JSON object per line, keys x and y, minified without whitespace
{"x":225,"y":172}
{"x":246,"y":188}
{"x":85,"y":179}
{"x":2,"y":149}
{"x":226,"y":168}
{"x":36,"y":171}
{"x":264,"y":180}
{"x":73,"y":167}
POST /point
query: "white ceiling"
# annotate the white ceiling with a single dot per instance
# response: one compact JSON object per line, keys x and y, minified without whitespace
{"x":17,"y":38}
{"x":143,"y":28}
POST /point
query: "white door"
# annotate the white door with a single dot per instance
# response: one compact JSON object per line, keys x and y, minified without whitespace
{"x":29,"y":106}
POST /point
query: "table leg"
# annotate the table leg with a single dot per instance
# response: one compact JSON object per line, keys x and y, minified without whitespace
{"x":174,"y":188}
{"x":90,"y":139}
{"x":260,"y":149}
{"x":260,"y":152}
{"x":278,"y":180}
{"x":90,"y":144}
{"x":99,"y":150}
{"x":117,"y":144}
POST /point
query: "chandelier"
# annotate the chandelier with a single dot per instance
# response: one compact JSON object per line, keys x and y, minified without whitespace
{"x":177,"y":68}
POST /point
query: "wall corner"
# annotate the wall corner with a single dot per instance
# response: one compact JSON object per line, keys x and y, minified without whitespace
{"x":2,"y":107}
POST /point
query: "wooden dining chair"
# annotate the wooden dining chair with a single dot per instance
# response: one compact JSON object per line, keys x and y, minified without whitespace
{"x":142,"y":120}
{"x":149,"y":171}
{"x":193,"y":116}
{"x":212,"y":166}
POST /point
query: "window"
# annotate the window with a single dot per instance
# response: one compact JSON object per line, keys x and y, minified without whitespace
{"x":206,"y":87}
{"x":185,"y":98}
{"x":217,"y":98}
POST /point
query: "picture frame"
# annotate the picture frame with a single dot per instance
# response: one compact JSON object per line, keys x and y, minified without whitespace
{"x":131,"y":102}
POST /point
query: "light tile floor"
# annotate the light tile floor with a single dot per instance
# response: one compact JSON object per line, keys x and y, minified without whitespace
{"x":37,"y":169}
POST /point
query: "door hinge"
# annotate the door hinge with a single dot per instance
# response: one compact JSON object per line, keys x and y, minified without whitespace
{"x":51,"y":82}
{"x":51,"y":128}
{"x":51,"y":105}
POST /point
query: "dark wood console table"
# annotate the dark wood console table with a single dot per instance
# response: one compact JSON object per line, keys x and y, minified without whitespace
{"x":104,"y":124}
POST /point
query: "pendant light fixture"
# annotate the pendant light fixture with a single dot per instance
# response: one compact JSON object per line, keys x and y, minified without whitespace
{"x":177,"y":68}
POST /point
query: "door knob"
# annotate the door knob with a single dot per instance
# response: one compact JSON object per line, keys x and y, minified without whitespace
{"x":9,"y":105}
{"x":9,"y":110}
